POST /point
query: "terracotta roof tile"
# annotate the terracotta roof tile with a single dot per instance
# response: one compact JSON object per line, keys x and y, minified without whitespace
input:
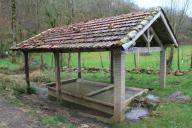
{"x":98,"y":33}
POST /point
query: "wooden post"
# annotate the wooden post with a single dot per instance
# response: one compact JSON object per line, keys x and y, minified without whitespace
{"x":57,"y":75}
{"x":111,"y":59}
{"x":79,"y":65}
{"x":119,"y":85}
{"x":26,"y":61}
{"x":163,"y":68}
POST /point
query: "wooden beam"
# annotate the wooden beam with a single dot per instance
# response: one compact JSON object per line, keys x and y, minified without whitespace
{"x":163,"y":68}
{"x":169,"y":29}
{"x":63,"y":50}
{"x":148,"y":38}
{"x":112,"y":75}
{"x":79,"y":65}
{"x":57,"y":75}
{"x":156,"y":37}
{"x":143,"y":49}
{"x":119,"y":84}
{"x":26,"y":61}
{"x":132,"y":42}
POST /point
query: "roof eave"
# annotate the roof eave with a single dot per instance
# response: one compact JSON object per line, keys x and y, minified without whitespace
{"x":133,"y":40}
{"x":169,"y":28}
{"x":160,"y":14}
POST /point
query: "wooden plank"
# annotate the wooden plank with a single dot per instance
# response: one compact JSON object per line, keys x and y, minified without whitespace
{"x":99,"y":90}
{"x":26,"y":61}
{"x":142,"y":49}
{"x":84,"y":102}
{"x":119,"y":85}
{"x":83,"y":97}
{"x":62,"y":50}
{"x":57,"y":75}
{"x":79,"y":65}
{"x":163,"y":68}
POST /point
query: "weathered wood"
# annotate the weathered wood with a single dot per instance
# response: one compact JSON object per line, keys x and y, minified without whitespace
{"x":43,"y":50}
{"x":57,"y":75}
{"x":156,"y":37}
{"x":92,"y":102}
{"x":163,"y":68}
{"x":142,"y":49}
{"x":119,"y":84}
{"x":79,"y":65}
{"x":169,"y":29}
{"x":132,"y":42}
{"x":111,"y":59}
{"x":89,"y":103}
{"x":26,"y":60}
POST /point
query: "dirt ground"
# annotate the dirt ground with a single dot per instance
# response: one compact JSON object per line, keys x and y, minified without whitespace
{"x":15,"y":117}
{"x":12,"y":116}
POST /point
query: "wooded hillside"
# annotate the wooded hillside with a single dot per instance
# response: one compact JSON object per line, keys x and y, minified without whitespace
{"x":34,"y":16}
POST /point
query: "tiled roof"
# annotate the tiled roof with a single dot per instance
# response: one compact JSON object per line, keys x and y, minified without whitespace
{"x":99,"y":33}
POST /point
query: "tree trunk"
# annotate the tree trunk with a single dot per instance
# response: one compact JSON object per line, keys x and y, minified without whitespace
{"x":13,"y":26}
{"x":70,"y":5}
{"x":42,"y":63}
{"x":52,"y":60}
{"x":191,"y":59}
{"x":69,"y":60}
{"x":178,"y":58}
{"x":138,"y":59}
{"x":101,"y":60}
{"x":61,"y":59}
{"x":135,"y":62}
{"x":170,"y":60}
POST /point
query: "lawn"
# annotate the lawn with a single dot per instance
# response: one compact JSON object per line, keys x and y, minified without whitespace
{"x":92,"y":59}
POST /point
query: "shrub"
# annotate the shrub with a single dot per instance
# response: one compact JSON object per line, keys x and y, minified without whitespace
{"x":41,"y":79}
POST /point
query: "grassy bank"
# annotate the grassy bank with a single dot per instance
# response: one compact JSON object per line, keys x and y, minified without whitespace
{"x":93,"y":59}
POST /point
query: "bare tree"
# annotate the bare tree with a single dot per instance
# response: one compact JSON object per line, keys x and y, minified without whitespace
{"x":191,"y":60}
{"x":70,"y":4}
{"x":13,"y":26}
{"x":176,"y":15}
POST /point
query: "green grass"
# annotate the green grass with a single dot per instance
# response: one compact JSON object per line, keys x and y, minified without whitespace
{"x":92,"y":59}
{"x":169,"y":115}
{"x":8,"y":65}
{"x":56,"y":120}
